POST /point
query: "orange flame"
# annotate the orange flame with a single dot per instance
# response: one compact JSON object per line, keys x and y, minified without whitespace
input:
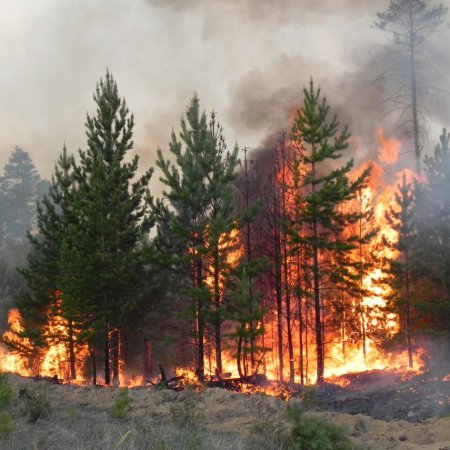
{"x":388,"y":149}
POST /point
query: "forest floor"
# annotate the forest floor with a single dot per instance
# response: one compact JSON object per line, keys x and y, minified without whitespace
{"x":379,"y":410}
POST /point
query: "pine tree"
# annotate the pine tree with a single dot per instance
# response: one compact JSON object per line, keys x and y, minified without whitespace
{"x":244,"y":309}
{"x":432,"y":245}
{"x":324,"y":190}
{"x":43,"y":270}
{"x":102,"y":268}
{"x":401,"y":219}
{"x":201,"y":218}
{"x":20,"y":188}
{"x":410,"y":22}
{"x":245,"y":305}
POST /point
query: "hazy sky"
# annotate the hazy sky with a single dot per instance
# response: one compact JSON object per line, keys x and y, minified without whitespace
{"x":248,"y":60}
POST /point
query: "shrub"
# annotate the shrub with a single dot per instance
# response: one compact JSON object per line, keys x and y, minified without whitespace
{"x":123,"y":401}
{"x":312,"y":433}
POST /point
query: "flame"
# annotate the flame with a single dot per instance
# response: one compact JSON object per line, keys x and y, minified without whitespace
{"x":346,"y":351}
{"x":388,"y":149}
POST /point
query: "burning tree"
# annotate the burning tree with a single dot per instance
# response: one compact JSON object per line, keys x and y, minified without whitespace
{"x":85,"y":272}
{"x":43,"y":271}
{"x":432,"y":245}
{"x":323,"y":191}
{"x":102,"y":270}
{"x":401,"y":219}
{"x":200,"y":217}
{"x":410,"y":22}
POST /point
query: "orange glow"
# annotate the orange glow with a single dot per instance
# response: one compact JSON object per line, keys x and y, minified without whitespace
{"x":388,"y":149}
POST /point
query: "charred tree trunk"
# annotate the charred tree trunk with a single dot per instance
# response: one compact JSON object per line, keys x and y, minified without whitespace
{"x":115,"y":350}
{"x":248,"y":251}
{"x":316,"y":291}
{"x":106,"y":356}
{"x":239,"y":352}
{"x":300,"y":320}
{"x":200,"y":319}
{"x":278,"y":292}
{"x":148,"y":360}
{"x":286,"y":264}
{"x":72,"y":360}
{"x":94,"y":366}
{"x":317,"y":309}
{"x":415,"y":118}
{"x":217,"y":315}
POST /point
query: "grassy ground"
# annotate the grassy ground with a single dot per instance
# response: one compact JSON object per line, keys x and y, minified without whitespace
{"x":44,"y":416}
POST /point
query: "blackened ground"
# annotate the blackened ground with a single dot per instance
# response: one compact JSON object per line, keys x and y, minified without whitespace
{"x":389,"y":395}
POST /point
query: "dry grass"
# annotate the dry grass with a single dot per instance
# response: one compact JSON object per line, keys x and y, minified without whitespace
{"x":70,"y":417}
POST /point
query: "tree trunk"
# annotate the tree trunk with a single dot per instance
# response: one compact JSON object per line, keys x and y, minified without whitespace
{"x":115,"y":360}
{"x":279,"y":300}
{"x":408,"y":311}
{"x":300,"y":320}
{"x":72,"y":361}
{"x":200,"y":320}
{"x":239,"y":353}
{"x":106,"y":356}
{"x":317,"y":312}
{"x":94,"y":366}
{"x":217,"y":316}
{"x":148,"y":360}
{"x":415,"y":119}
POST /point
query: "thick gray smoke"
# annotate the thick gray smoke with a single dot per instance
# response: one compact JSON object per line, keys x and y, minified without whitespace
{"x":247,"y":60}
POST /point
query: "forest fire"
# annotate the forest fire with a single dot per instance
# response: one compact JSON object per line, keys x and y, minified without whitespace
{"x":53,"y":361}
{"x":353,"y":346}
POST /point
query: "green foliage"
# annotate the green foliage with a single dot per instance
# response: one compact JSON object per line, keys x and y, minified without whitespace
{"x":271,"y":432}
{"x":432,"y":243}
{"x":5,"y":392}
{"x":312,"y":433}
{"x":188,"y":413}
{"x":36,"y":404}
{"x":309,"y":396}
{"x":322,"y":190}
{"x":196,"y":214}
{"x":6,"y":425}
{"x":121,"y":404}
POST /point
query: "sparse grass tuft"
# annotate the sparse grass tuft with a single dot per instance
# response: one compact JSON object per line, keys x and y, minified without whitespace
{"x":36,"y":404}
{"x":6,"y":427}
{"x":6,"y":394}
{"x":188,"y":413}
{"x":309,"y":397}
{"x":121,"y":405}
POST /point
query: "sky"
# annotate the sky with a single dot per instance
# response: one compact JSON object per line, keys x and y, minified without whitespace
{"x":247,"y":60}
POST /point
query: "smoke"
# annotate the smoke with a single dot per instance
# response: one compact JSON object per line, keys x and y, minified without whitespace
{"x":247,"y":60}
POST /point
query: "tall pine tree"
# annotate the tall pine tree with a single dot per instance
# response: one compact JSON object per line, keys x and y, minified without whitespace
{"x":324,"y":189}
{"x":102,"y":268}
{"x":200,"y":207}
